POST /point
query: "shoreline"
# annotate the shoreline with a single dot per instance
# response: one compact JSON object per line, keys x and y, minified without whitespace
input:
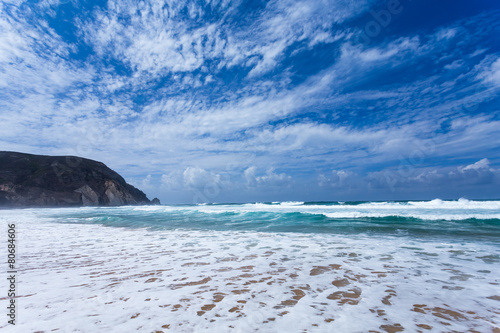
{"x":94,"y":278}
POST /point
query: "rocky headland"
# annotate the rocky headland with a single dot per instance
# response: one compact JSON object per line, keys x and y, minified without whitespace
{"x":28,"y":180}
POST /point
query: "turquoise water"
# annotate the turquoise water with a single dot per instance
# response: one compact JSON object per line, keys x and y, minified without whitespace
{"x":260,"y":267}
{"x":452,"y":220}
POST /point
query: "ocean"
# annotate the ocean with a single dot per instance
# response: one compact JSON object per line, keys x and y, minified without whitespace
{"x":409,"y":266}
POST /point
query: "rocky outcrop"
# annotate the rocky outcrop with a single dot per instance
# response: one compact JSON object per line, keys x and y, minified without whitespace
{"x":28,"y":180}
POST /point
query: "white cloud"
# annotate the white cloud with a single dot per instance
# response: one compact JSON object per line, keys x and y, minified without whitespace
{"x":195,"y":177}
{"x":492,"y":74}
{"x":146,"y":182}
{"x":32,"y":61}
{"x":398,"y":47}
{"x":270,"y":178}
{"x":414,"y":177}
{"x":446,"y":33}
{"x":172,"y":181}
{"x":250,"y":176}
{"x":454,"y":65}
{"x":153,"y":38}
{"x":482,"y":164}
{"x":342,"y":179}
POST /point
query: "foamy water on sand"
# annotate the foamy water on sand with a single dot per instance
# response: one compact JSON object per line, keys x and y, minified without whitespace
{"x":86,"y":277}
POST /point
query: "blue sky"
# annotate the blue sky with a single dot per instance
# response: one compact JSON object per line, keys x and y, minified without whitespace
{"x":233,"y":101}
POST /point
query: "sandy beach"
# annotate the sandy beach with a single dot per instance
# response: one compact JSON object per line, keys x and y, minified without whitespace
{"x":91,"y":278}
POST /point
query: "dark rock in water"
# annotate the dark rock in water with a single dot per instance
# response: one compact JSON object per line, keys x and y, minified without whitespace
{"x":36,"y":180}
{"x":155,"y":201}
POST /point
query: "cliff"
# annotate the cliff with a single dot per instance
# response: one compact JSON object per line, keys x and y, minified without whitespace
{"x":38,"y":181}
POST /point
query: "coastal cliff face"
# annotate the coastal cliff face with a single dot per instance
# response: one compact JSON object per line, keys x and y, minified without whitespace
{"x":36,"y":180}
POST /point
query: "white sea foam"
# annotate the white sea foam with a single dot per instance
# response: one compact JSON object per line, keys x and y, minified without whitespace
{"x":91,"y":278}
{"x":437,"y":209}
{"x":423,"y":216}
{"x":291,"y":203}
